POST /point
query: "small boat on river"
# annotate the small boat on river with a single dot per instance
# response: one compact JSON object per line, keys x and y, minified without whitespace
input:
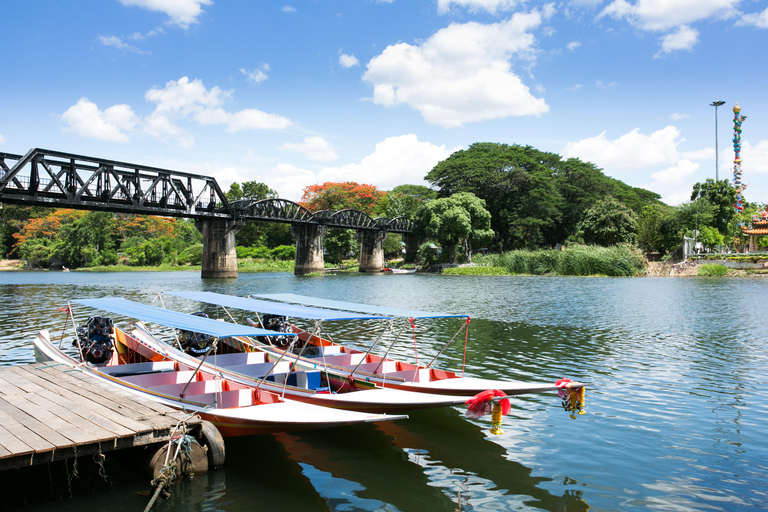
{"x":257,"y":368}
{"x":346,"y":366}
{"x":236,"y":409}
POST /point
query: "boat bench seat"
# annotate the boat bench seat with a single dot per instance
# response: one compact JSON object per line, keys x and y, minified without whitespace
{"x":196,"y":387}
{"x":344,"y":359}
{"x":226,"y":399}
{"x":417,"y":375}
{"x":299,"y":379}
{"x":124,"y":370}
{"x":258,"y":370}
{"x":237,"y":358}
{"x":387,"y":367}
{"x":152,"y":380}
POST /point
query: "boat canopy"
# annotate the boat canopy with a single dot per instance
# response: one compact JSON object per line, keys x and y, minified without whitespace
{"x":275,"y":308}
{"x":175,"y":319}
{"x":352,"y":306}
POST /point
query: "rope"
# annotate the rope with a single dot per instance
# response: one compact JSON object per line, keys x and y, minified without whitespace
{"x":182,"y":454}
{"x":413,"y":326}
{"x":466,"y":337}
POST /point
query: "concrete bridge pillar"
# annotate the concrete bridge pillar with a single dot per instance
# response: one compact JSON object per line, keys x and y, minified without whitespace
{"x":219,"y":256}
{"x":411,"y":247}
{"x":371,"y":250}
{"x":309,"y":248}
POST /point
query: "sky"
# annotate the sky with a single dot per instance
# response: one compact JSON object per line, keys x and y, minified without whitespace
{"x":294,"y":93}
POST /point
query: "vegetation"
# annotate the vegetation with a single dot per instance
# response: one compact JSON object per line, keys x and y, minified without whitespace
{"x":711,"y":270}
{"x":577,"y":260}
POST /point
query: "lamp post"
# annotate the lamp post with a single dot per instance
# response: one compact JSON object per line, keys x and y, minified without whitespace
{"x":716,"y":104}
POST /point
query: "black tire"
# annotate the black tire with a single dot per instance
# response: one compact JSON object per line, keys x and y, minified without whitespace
{"x":214,"y":444}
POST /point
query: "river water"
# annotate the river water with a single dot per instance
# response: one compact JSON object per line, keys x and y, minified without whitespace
{"x":676,"y":420}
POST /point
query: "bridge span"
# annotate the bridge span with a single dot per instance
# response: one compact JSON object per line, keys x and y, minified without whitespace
{"x":63,"y":180}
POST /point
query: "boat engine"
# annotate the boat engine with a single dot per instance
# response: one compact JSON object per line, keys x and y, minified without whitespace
{"x":280,"y":324}
{"x":95,"y":340}
{"x":195,"y":343}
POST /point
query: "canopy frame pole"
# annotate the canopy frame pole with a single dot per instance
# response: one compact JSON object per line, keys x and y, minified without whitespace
{"x":274,"y":365}
{"x":384,"y":357}
{"x":365,"y":356}
{"x":210,"y":348}
{"x":175,"y":331}
{"x":465,"y":326}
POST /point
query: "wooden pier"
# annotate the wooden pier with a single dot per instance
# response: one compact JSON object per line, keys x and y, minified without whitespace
{"x":52,"y":412}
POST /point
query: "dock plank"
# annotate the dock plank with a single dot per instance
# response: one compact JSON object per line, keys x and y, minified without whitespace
{"x":49,"y":412}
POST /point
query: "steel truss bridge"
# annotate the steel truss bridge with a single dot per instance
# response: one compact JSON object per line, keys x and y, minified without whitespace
{"x":63,"y":180}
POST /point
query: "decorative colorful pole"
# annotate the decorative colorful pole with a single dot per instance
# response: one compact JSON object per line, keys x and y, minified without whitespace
{"x":737,"y":120}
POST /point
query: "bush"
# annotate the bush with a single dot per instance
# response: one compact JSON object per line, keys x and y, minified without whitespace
{"x":192,"y":255}
{"x":712,"y":270}
{"x":284,"y":252}
{"x":429,"y":254}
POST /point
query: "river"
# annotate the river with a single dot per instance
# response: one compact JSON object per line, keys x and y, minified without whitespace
{"x":676,"y":419}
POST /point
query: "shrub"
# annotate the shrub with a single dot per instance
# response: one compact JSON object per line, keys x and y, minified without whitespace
{"x":284,"y":252}
{"x":712,"y":270}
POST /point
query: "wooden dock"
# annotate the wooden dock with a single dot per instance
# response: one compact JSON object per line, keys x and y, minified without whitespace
{"x":52,"y":412}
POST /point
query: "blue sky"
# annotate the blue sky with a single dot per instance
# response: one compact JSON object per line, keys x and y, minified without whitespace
{"x":373,"y":91}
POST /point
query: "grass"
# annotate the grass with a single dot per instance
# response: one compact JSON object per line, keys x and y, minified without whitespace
{"x":712,"y":270}
{"x":579,"y":260}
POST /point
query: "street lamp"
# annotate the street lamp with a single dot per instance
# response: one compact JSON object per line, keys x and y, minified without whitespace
{"x":716,"y":104}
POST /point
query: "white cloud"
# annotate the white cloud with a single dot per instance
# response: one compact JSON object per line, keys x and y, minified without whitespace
{"x":182,"y":99}
{"x":347,"y":61}
{"x":181,"y":12}
{"x":754,"y":158}
{"x":758,"y":19}
{"x":636,"y":157}
{"x":395,"y":161}
{"x":178,"y":101}
{"x":119,"y":44}
{"x":460,"y":74}
{"x":258,"y":75}
{"x":676,"y":116}
{"x":573,"y":45}
{"x":288,"y":9}
{"x":667,"y":14}
{"x":684,"y":38}
{"x":314,"y":148}
{"x":86,"y":120}
{"x":491,"y":6}
{"x":602,"y":85}
{"x":2,"y":139}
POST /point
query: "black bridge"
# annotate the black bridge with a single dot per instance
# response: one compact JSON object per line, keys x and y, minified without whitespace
{"x":63,"y":180}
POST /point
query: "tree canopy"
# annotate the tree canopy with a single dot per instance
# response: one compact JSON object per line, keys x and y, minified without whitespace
{"x":535,"y":198}
{"x":459,"y":220}
{"x":342,"y":196}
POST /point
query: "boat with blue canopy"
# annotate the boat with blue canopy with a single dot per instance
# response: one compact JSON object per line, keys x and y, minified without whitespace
{"x":346,"y":366}
{"x":236,"y":409}
{"x":232,"y":356}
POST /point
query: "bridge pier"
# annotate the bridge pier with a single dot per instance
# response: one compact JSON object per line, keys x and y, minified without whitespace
{"x":219,"y":255}
{"x":371,"y":250}
{"x":309,"y":248}
{"x":411,"y":247}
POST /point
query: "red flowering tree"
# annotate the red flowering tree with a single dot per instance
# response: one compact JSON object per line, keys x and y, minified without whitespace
{"x":342,"y":196}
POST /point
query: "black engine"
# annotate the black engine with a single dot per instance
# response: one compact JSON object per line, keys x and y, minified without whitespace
{"x":195,"y":343}
{"x":95,"y":340}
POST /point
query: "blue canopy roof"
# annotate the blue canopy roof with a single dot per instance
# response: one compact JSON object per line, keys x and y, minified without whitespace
{"x":352,"y":306}
{"x":174,"y":318}
{"x":274,"y":308}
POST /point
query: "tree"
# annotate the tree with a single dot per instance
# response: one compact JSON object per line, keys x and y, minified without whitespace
{"x":254,"y":190}
{"x":722,"y":196}
{"x":405,"y":200}
{"x":608,"y":222}
{"x":457,"y":221}
{"x":342,"y":196}
{"x":535,"y":198}
{"x":710,"y":237}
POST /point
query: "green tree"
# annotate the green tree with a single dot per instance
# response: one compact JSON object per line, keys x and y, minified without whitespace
{"x":256,"y":233}
{"x":710,"y":237}
{"x":608,"y":222}
{"x":722,"y":196}
{"x":457,"y":221}
{"x":535,"y":198}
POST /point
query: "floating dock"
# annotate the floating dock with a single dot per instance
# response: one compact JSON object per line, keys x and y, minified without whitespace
{"x":52,"y":412}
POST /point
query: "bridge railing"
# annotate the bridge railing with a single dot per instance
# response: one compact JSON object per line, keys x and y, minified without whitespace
{"x":43,"y":177}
